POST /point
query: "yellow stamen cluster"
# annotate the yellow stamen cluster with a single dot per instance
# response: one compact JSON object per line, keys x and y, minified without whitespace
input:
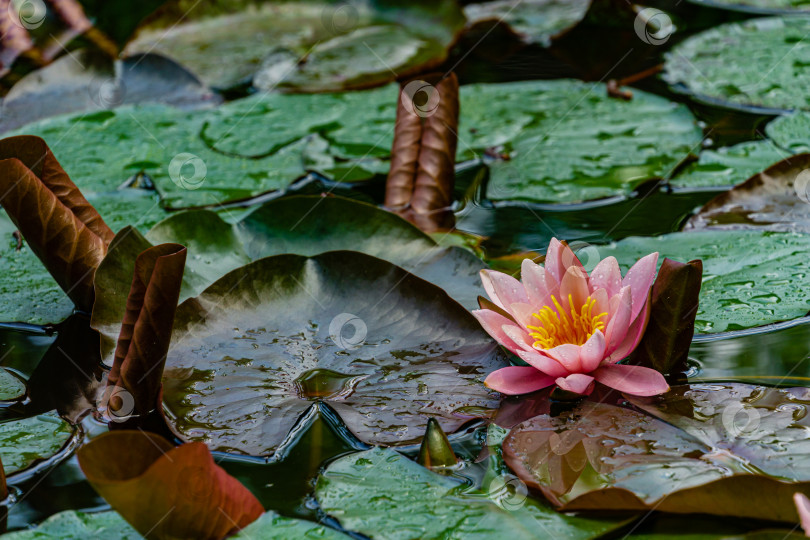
{"x":556,"y":327}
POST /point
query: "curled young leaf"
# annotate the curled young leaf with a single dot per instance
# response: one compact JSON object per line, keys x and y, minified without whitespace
{"x":673,"y":308}
{"x":58,"y":223}
{"x":146,"y":329}
{"x":420,"y":182}
{"x":167,"y":492}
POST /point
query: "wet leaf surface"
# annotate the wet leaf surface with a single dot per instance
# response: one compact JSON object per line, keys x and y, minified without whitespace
{"x":382,"y":494}
{"x":725,"y":65}
{"x":748,"y":276}
{"x":385,"y":349}
{"x":72,"y":525}
{"x":536,"y":21}
{"x":84,"y":81}
{"x":271,"y":526}
{"x":12,"y":387}
{"x":26,"y":441}
{"x":777,"y":199}
{"x":306,"y":46}
{"x":728,"y":166}
{"x":790,"y":132}
{"x":557,"y":153}
{"x":304,"y":225}
{"x":727,"y":449}
{"x":763,"y":7}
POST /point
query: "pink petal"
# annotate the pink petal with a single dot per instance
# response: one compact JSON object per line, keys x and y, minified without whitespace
{"x":632,"y":337}
{"x":552,"y":262}
{"x":493,"y":324}
{"x":606,"y":275}
{"x":523,"y":313}
{"x":592,"y":352}
{"x":601,"y":304}
{"x":533,"y":277}
{"x":502,"y":288}
{"x":519,"y":335}
{"x":567,"y":355}
{"x":559,"y":258}
{"x":640,"y":279}
{"x":576,"y":383}
{"x":516,"y":380}
{"x":803,"y":509}
{"x":574,"y":284}
{"x":619,"y":323}
{"x":544,"y":363}
{"x":634,"y":380}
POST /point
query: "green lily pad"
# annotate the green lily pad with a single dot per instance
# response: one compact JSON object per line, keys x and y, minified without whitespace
{"x":384,"y":348}
{"x":758,"y":63}
{"x":86,"y":80}
{"x":729,"y":165}
{"x":303,"y":225}
{"x":28,"y":293}
{"x":72,"y":525}
{"x":11,"y":386}
{"x":749,"y":277}
{"x":535,"y":21}
{"x":27,"y":441}
{"x":790,"y":132}
{"x":727,"y":449}
{"x":311,"y":45}
{"x":761,"y":7}
{"x":384,"y":495}
{"x":557,"y":153}
{"x":271,"y":526}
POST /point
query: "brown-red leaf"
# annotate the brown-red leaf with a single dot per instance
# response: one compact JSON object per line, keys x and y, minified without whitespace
{"x":146,"y":330}
{"x":60,"y":226}
{"x":674,"y":305}
{"x":167,"y":492}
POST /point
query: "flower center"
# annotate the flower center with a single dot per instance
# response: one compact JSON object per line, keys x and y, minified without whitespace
{"x":557,"y":327}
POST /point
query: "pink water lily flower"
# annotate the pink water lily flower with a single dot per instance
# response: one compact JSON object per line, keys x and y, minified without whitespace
{"x":571,"y":328}
{"x":803,"y":509}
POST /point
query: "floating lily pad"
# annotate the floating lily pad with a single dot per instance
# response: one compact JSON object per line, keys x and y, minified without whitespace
{"x":28,"y":293}
{"x":558,"y":153}
{"x":728,"y":449}
{"x":384,"y":495}
{"x":384,"y":348}
{"x":304,"y":225}
{"x":27,"y":441}
{"x":777,"y":199}
{"x":11,"y":386}
{"x":310,"y":45}
{"x":759,"y":63}
{"x":761,"y":7}
{"x":271,"y":526}
{"x":535,"y":21}
{"x":87,"y":81}
{"x":749,"y":277}
{"x":791,"y":132}
{"x":72,"y":525}
{"x":729,"y":165}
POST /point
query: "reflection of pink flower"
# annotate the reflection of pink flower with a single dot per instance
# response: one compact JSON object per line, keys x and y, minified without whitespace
{"x":569,"y":327}
{"x":803,"y":509}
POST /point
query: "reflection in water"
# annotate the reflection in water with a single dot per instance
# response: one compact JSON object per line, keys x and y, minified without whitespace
{"x":526,"y":227}
{"x":777,"y":357}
